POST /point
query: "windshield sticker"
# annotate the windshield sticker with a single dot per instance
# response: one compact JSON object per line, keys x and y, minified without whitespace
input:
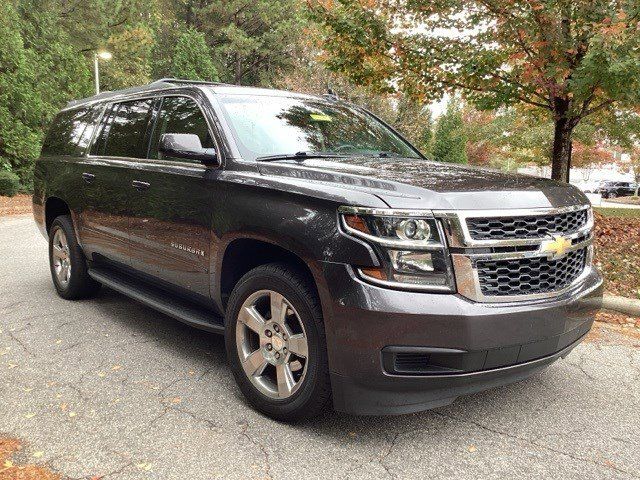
{"x":320,"y":117}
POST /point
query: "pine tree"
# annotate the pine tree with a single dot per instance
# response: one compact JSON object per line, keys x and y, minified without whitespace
{"x":450,"y":141}
{"x":192,"y":58}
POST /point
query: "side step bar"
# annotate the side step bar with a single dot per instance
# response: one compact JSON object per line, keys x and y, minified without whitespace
{"x":157,"y":299}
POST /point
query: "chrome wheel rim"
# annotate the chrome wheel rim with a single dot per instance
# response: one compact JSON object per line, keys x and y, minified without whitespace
{"x":61,"y":258}
{"x":272,"y":344}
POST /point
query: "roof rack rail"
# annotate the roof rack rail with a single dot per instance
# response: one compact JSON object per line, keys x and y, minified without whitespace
{"x":183,"y":80}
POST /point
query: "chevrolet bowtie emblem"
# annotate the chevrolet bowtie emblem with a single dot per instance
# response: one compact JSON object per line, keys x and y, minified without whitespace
{"x":557,"y":247}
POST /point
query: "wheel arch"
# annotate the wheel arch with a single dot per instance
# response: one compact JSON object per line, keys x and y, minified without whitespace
{"x":54,"y":207}
{"x":241,"y":254}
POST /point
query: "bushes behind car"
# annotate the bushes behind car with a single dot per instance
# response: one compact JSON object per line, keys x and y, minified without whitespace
{"x":9,"y":184}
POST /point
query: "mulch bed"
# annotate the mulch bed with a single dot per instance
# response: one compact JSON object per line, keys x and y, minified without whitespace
{"x":10,"y":471}
{"x":618,"y":254}
{"x":18,"y":205}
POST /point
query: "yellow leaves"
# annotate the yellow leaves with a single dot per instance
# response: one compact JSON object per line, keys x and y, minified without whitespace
{"x":72,"y":414}
{"x":472,"y":448}
{"x":144,"y":466}
{"x":37,"y":454}
{"x":115,"y":368}
{"x":7,"y":464}
{"x":29,"y":415}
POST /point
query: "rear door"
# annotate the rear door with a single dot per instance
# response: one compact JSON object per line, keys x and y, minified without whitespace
{"x":120,"y":142}
{"x":171,"y":237}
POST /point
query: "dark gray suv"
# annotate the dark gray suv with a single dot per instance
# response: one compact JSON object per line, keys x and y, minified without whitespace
{"x":340,"y":264}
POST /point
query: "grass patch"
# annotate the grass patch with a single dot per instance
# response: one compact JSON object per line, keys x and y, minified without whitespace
{"x":618,"y":212}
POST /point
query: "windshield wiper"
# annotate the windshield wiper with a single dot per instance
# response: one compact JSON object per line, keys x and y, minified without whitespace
{"x":296,"y":156}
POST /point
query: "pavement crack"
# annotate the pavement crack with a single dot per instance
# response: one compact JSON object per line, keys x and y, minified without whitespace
{"x":385,"y":454}
{"x":21,"y":343}
{"x":536,"y":444}
{"x":267,"y":461}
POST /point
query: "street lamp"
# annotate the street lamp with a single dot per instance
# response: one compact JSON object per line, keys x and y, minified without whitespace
{"x":102,"y":55}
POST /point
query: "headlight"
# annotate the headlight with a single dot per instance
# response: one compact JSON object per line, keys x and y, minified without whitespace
{"x":409,"y":243}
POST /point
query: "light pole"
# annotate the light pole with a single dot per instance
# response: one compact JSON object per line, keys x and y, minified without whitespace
{"x":103,"y":55}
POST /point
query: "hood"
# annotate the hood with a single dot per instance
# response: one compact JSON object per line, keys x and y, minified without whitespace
{"x":416,"y":183}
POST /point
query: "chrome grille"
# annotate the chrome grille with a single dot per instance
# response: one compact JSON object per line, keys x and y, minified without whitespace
{"x":525,"y":227}
{"x":528,"y":276}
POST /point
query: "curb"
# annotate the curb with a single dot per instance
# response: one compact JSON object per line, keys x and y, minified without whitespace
{"x":625,"y":305}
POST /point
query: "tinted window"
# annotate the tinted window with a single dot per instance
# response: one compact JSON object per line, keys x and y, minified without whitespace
{"x":66,"y":135}
{"x":180,"y":115}
{"x":123,"y":133}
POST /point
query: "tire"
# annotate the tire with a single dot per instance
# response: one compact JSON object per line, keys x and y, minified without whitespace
{"x":67,"y":262}
{"x":612,"y":195}
{"x":307,"y":391}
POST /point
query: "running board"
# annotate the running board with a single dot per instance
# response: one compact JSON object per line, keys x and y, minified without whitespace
{"x":158,"y":299}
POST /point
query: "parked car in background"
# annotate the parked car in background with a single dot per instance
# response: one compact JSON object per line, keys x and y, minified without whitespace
{"x":339,"y":263}
{"x":616,"y":189}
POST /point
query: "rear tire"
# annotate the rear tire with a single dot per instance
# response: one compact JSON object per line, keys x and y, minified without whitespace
{"x":276,"y":345}
{"x":67,"y":262}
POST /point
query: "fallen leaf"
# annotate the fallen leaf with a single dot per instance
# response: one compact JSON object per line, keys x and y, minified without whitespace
{"x":144,"y":466}
{"x":72,"y":414}
{"x":115,"y":368}
{"x":63,"y":407}
{"x":37,"y":454}
{"x":30,"y":415}
{"x":101,"y":374}
{"x":472,"y":448}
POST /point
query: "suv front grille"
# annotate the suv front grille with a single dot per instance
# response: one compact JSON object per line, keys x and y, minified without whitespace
{"x":528,"y":276}
{"x":507,"y":228}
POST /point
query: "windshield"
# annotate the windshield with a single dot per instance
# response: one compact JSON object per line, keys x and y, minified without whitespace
{"x":272,"y":125}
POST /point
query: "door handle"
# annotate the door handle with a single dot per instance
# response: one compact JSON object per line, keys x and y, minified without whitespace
{"x":88,"y":177}
{"x":138,"y":185}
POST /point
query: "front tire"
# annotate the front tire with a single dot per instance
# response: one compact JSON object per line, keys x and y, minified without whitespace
{"x":275,"y":343}
{"x":67,"y":262}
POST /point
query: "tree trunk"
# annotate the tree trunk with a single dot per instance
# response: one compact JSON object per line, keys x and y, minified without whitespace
{"x":561,"y":157}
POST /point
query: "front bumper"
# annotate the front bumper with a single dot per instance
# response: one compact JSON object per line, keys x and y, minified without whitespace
{"x":488,"y":344}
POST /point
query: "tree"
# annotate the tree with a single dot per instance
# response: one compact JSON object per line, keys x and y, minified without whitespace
{"x":39,"y":73}
{"x":450,"y":141}
{"x":252,"y":42}
{"x":568,"y":58}
{"x":131,"y":62}
{"x":192,"y":57}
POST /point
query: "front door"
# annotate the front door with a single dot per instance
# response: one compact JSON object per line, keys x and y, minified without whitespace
{"x":171,"y":231}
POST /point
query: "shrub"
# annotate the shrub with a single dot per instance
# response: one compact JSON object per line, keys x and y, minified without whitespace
{"x":9,"y":184}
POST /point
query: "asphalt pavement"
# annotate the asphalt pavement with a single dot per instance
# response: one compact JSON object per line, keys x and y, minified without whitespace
{"x":108,"y":388}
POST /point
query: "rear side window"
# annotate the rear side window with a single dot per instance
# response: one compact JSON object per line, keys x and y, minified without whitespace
{"x":180,"y":115}
{"x":66,"y":135}
{"x":124,"y":130}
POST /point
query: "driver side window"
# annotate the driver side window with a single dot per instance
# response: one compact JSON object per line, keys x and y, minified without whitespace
{"x":179,"y":115}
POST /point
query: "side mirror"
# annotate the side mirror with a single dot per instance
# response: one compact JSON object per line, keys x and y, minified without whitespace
{"x":187,"y":145}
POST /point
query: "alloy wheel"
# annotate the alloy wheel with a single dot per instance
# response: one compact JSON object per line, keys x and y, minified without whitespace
{"x":61,"y":258}
{"x":272,"y":344}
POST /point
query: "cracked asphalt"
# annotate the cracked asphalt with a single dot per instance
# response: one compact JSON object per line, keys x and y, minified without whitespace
{"x":109,"y":388}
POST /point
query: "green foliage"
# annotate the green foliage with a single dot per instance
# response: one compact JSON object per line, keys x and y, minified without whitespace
{"x":450,"y":140}
{"x":131,"y":62}
{"x":9,"y":183}
{"x":192,"y":58}
{"x":39,"y":72}
{"x":47,"y":49}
